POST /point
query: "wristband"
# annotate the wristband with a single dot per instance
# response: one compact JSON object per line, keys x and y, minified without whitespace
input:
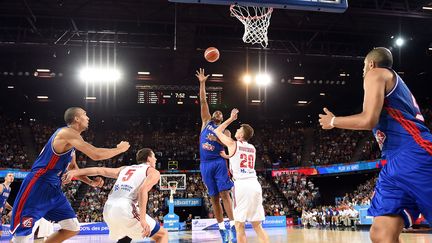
{"x":332,"y":121}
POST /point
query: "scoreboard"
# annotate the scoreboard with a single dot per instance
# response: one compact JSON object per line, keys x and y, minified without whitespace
{"x":176,"y":94}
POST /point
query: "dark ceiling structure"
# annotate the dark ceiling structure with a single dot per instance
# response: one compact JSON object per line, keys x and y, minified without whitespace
{"x":168,"y":39}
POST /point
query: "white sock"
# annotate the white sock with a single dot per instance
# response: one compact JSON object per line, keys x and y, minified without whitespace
{"x":232,"y":223}
{"x":222,"y":226}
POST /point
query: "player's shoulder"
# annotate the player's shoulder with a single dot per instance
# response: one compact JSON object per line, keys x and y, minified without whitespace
{"x":379,"y":73}
{"x":67,"y":132}
{"x":152,"y":171}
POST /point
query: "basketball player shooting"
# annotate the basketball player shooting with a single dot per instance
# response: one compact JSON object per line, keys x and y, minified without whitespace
{"x":247,"y":190}
{"x":213,"y":166}
{"x":132,"y":187}
{"x":390,"y":110}
{"x":40,"y":194}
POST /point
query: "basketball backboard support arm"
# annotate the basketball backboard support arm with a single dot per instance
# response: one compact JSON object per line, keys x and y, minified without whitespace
{"x":332,"y":6}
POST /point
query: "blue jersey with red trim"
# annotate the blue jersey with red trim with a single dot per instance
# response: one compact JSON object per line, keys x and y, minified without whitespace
{"x":401,"y":122}
{"x":209,"y":143}
{"x":4,"y":196}
{"x":50,"y":166}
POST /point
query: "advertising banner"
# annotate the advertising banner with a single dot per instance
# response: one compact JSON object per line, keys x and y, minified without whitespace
{"x":332,"y":169}
{"x":211,"y":224}
{"x":185,"y":202}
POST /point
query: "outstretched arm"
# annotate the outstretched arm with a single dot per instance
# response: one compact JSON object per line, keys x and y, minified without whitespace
{"x":75,"y":139}
{"x":374,"y":94}
{"x":205,"y":112}
{"x":92,"y":171}
{"x":152,"y":178}
{"x":74,"y":166}
{"x":227,"y":140}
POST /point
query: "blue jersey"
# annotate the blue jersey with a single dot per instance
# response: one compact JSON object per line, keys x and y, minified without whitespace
{"x":401,"y":123}
{"x":209,"y":143}
{"x":50,"y":166}
{"x":4,"y":196}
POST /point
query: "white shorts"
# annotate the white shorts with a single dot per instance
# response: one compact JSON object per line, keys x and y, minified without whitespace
{"x":122,"y":218}
{"x":248,"y":201}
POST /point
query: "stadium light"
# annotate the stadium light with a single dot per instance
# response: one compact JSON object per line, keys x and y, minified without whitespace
{"x":42,"y":97}
{"x":90,"y":98}
{"x":263,"y":79}
{"x":99,"y":74}
{"x":10,"y":87}
{"x":143,"y":73}
{"x":217,"y":75}
{"x":42,"y":70}
{"x":400,"y":41}
{"x":247,"y":79}
{"x":427,"y":7}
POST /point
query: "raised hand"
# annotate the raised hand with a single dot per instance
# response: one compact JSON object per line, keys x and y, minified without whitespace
{"x":234,"y":114}
{"x":201,"y":76}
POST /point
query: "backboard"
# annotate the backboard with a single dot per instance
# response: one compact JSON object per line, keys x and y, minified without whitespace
{"x":165,"y":180}
{"x":333,"y":6}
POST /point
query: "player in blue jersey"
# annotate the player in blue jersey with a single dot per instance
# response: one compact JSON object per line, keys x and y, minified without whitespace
{"x":213,"y":166}
{"x":40,"y":194}
{"x":5,"y":190}
{"x":404,"y":186}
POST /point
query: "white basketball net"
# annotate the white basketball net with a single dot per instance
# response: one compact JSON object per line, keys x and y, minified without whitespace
{"x":256,"y":21}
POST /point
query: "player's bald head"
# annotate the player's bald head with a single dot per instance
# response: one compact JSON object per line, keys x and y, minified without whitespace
{"x":70,"y":114}
{"x":381,"y":56}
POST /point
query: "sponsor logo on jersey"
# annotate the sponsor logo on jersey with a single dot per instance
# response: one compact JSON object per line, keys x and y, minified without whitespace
{"x":27,"y":222}
{"x":380,"y":138}
{"x":207,"y":146}
{"x":116,"y":187}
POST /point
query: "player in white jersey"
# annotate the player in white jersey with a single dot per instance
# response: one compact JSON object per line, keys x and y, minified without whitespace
{"x":131,"y":188}
{"x":247,"y":190}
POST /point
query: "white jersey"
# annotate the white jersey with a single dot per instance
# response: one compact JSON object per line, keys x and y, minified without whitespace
{"x":242,"y":163}
{"x":128,"y":182}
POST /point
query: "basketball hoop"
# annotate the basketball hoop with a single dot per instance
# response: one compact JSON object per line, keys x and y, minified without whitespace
{"x":256,"y":21}
{"x":172,"y":185}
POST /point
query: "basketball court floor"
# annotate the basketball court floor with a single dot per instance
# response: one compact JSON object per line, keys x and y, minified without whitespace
{"x":277,"y":235}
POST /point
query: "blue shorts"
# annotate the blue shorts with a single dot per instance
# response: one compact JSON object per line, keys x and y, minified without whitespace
{"x":36,"y":199}
{"x":215,"y":176}
{"x":404,"y":186}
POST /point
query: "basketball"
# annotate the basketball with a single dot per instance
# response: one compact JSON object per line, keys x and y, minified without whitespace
{"x":211,"y":54}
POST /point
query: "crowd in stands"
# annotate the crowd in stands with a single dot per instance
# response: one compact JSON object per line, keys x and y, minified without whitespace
{"x":334,"y":146}
{"x":12,"y":150}
{"x":279,"y":144}
{"x":343,"y":212}
{"x":298,"y":189}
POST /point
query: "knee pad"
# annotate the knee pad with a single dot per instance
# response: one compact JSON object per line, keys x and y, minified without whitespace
{"x":70,"y":224}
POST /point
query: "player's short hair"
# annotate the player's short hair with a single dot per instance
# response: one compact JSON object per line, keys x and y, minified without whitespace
{"x":381,"y":56}
{"x":143,"y":154}
{"x":70,"y":114}
{"x":248,"y":131}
